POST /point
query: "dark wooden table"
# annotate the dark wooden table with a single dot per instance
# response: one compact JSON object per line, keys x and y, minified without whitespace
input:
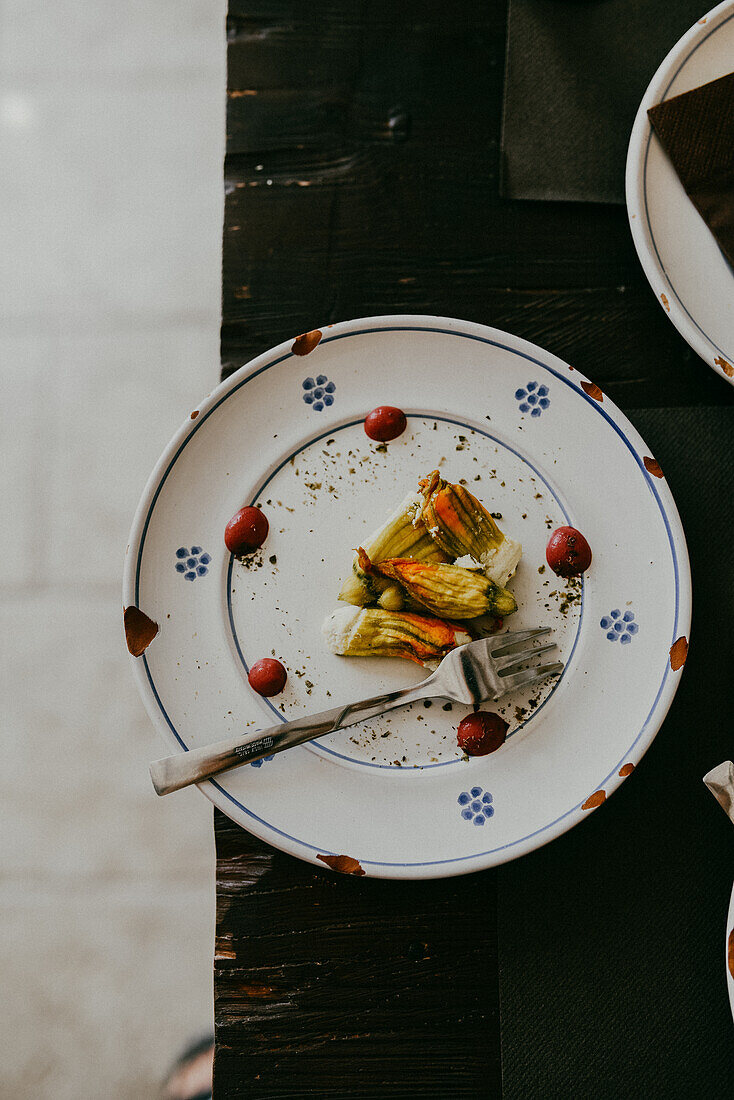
{"x":361,"y":178}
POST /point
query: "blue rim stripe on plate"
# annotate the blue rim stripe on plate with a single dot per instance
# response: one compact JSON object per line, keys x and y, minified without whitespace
{"x":197,"y":424}
{"x":350,"y":424}
{"x":674,"y":292}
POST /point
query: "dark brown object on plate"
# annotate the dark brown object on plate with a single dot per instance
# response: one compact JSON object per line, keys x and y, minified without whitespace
{"x":653,"y":466}
{"x":594,"y":800}
{"x":696,"y":130}
{"x":347,"y":865}
{"x":593,"y":390}
{"x":139,"y":630}
{"x":626,"y":770}
{"x":306,"y":342}
{"x":678,"y":653}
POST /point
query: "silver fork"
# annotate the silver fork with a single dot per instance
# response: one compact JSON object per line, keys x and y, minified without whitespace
{"x":472,"y":673}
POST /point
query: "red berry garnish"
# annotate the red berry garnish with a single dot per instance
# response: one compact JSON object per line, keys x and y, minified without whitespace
{"x":246,"y":530}
{"x":482,"y":733}
{"x":385,"y":423}
{"x":267,"y":677}
{"x":568,"y":553}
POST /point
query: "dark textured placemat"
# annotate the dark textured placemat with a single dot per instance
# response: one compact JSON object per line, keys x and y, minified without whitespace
{"x":576,"y":72}
{"x":612,"y":979}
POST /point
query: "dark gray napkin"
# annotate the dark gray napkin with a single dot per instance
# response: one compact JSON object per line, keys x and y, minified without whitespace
{"x":576,"y":72}
{"x":611,"y":939}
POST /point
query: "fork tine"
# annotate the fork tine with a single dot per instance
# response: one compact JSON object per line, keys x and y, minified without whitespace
{"x":507,"y":641}
{"x":512,"y":659}
{"x":530,"y":676}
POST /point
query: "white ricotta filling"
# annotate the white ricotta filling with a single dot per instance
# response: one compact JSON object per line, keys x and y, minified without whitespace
{"x":338,"y":628}
{"x":500,"y":564}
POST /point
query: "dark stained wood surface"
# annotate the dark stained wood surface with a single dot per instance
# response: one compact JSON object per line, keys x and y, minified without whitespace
{"x":331,"y":985}
{"x":360,"y":179}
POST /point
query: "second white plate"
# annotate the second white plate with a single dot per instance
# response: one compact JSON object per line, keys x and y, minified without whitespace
{"x":683,"y":263}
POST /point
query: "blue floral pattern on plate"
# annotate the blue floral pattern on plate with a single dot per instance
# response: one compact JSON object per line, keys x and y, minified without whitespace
{"x":533,"y":398}
{"x":620,"y":626}
{"x":476,"y":805}
{"x":193,"y":562}
{"x":263,"y":760}
{"x":318,"y":392}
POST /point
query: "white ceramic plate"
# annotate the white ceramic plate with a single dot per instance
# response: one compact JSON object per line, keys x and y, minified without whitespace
{"x":286,"y":431}
{"x":682,"y":261}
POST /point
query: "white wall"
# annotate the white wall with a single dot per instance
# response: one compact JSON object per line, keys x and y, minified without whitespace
{"x":111,"y":146}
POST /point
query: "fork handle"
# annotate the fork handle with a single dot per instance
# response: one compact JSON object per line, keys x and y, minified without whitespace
{"x":174,"y":772}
